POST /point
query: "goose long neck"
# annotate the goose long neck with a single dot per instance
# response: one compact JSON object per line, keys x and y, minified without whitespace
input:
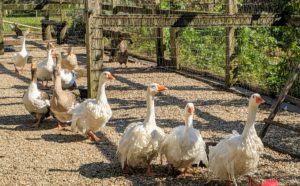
{"x":101,"y":96}
{"x":150,"y":118}
{"x":58,"y":59}
{"x":57,"y":85}
{"x":33,"y":85}
{"x":23,"y":43}
{"x":252,"y":110}
{"x":33,"y":75}
{"x":188,"y":122}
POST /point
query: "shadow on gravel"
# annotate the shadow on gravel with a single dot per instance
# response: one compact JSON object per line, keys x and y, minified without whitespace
{"x":102,"y":170}
{"x":63,"y":138}
{"x":4,"y":70}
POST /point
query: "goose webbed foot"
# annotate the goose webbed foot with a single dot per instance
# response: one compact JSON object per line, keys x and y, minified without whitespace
{"x":17,"y":70}
{"x":252,"y":182}
{"x":185,"y":173}
{"x":59,"y":127}
{"x":37,"y":121}
{"x":229,"y":183}
{"x":93,"y":137}
{"x":127,"y":169}
{"x":149,"y":171}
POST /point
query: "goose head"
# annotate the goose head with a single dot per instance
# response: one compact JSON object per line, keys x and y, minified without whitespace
{"x":106,"y":76}
{"x":255,"y":100}
{"x":154,"y":88}
{"x":33,"y":70}
{"x":189,"y":109}
{"x":70,"y":50}
{"x":56,"y":72}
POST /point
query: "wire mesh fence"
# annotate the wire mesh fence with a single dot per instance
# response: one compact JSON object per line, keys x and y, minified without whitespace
{"x":263,"y":56}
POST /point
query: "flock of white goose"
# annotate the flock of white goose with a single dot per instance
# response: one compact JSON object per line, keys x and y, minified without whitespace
{"x":234,"y":156}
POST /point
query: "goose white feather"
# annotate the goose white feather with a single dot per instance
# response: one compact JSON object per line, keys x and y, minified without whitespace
{"x":141,"y":141}
{"x":20,"y":59}
{"x":93,"y":114}
{"x":45,"y":67}
{"x":237,"y":155}
{"x":68,"y":78}
{"x":184,"y":145}
{"x":35,"y":101}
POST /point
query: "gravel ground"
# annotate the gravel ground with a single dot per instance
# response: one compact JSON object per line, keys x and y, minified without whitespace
{"x":46,"y":156}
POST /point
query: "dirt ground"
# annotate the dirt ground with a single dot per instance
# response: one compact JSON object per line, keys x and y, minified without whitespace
{"x":45,"y":156}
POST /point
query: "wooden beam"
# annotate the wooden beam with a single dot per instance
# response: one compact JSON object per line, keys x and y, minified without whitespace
{"x":276,"y":106}
{"x":230,"y":44}
{"x":1,"y":29}
{"x":184,"y":20}
{"x":33,"y":6}
{"x":94,"y":45}
{"x":286,"y":126}
{"x":173,"y":43}
{"x":19,"y":24}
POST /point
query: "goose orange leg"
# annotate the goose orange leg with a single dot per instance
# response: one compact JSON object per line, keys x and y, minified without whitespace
{"x":17,"y":70}
{"x":59,"y":127}
{"x":185,"y":173}
{"x":252,"y":182}
{"x":93,"y":137}
{"x":149,"y":172}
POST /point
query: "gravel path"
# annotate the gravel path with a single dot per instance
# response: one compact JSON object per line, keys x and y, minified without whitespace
{"x":46,"y":156}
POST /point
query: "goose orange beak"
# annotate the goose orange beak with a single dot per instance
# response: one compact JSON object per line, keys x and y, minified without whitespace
{"x":161,"y":88}
{"x":110,"y":77}
{"x":33,"y":66}
{"x":259,"y":100}
{"x":191,"y":110}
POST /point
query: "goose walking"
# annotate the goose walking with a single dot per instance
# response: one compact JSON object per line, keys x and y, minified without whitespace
{"x":93,"y":114}
{"x":238,"y":155}
{"x":20,"y":59}
{"x":62,"y":101}
{"x":36,"y":102}
{"x":45,"y":67}
{"x":141,"y":141}
{"x":184,"y":145}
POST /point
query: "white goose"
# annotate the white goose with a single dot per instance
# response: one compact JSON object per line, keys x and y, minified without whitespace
{"x":45,"y":67}
{"x":184,"y":145}
{"x":141,"y":141}
{"x":20,"y":59}
{"x":238,"y":155}
{"x":93,"y":114}
{"x":36,"y":102}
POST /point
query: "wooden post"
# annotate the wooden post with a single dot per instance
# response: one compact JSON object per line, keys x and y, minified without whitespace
{"x":94,"y":45}
{"x":173,"y":43}
{"x":174,"y":50}
{"x":159,"y":47}
{"x":159,"y":40}
{"x":1,"y":29}
{"x":275,"y":108}
{"x":230,"y":43}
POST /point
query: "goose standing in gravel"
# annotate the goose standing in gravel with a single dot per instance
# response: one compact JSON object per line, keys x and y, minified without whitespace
{"x":238,"y":155}
{"x":45,"y":67}
{"x":36,"y":102}
{"x":141,"y":141}
{"x":69,"y":62}
{"x":20,"y":59}
{"x":68,"y":78}
{"x":62,"y":101}
{"x":93,"y":114}
{"x":184,"y":145}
